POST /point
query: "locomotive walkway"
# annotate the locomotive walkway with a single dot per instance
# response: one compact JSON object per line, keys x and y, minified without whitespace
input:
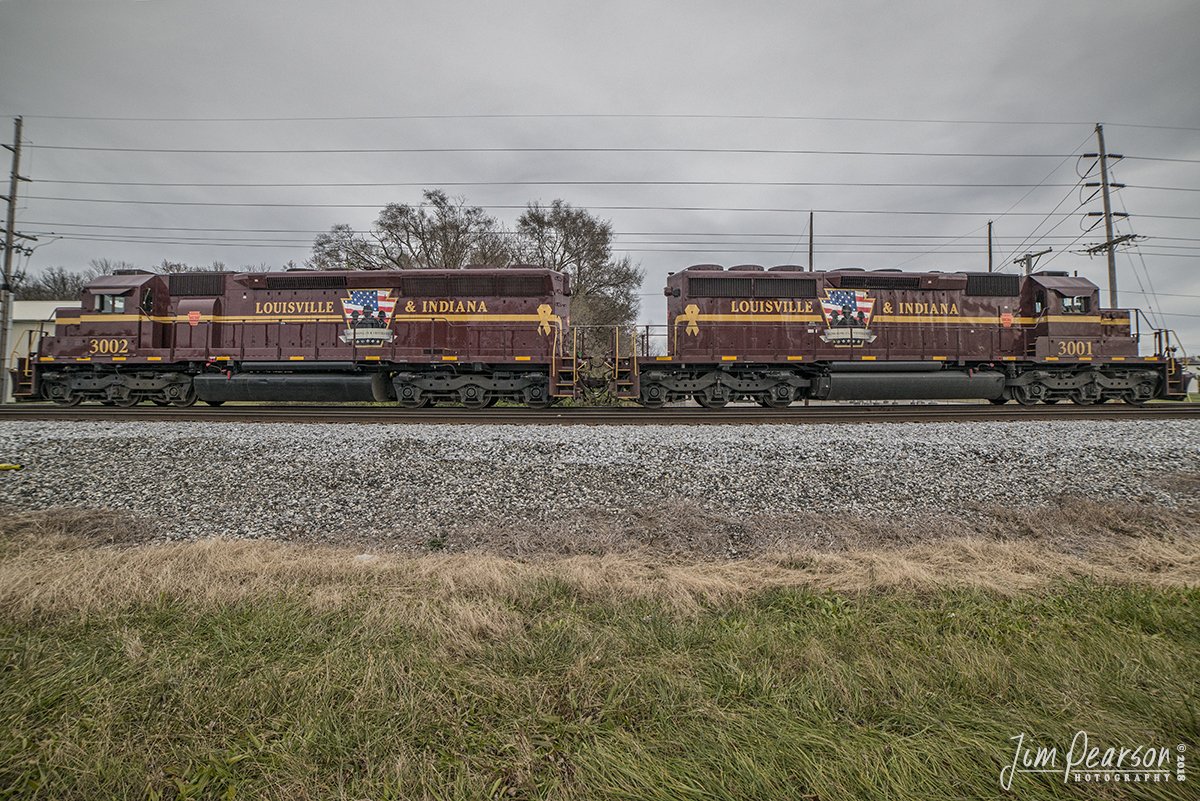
{"x":793,"y":415}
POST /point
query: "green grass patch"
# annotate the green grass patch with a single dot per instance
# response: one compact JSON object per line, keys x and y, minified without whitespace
{"x":544,"y":691}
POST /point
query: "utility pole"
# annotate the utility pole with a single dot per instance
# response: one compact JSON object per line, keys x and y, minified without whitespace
{"x":1030,"y":258}
{"x":9,"y":234}
{"x":810,"y":242}
{"x":1110,"y":244}
{"x":989,"y":246}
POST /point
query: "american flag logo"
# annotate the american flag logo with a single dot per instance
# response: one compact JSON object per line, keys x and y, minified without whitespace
{"x":369,"y":305}
{"x":845,"y":308}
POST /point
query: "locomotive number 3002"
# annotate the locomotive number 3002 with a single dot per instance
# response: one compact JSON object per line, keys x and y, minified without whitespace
{"x":110,"y":346}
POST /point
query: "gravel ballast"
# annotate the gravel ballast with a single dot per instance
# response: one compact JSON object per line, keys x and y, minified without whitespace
{"x":409,"y":485}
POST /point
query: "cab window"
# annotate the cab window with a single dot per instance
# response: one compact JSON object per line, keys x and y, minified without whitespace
{"x":1039,"y":302}
{"x":1080,"y":304}
{"x":110,"y":304}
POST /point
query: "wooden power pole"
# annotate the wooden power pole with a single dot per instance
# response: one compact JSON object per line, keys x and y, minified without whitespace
{"x":1110,"y":243}
{"x":9,"y":235}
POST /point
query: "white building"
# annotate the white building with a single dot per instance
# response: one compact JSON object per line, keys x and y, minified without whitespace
{"x":28,"y":315}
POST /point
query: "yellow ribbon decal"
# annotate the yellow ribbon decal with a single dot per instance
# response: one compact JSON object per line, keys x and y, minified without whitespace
{"x":689,"y":316}
{"x":545,"y":319}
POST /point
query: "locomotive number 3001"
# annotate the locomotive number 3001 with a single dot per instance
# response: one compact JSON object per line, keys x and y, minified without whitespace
{"x":110,"y":346}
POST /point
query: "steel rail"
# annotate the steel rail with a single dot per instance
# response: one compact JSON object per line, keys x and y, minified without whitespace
{"x":793,"y":415}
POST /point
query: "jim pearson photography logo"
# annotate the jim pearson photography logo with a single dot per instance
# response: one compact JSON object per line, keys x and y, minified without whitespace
{"x":1088,"y":762}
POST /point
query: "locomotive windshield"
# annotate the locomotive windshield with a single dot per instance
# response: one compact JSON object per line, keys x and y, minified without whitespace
{"x":1079,"y":304}
{"x":110,"y":304}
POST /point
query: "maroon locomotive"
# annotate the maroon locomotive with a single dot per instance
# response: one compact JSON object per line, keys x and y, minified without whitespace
{"x":784,"y":334}
{"x":471,"y":336}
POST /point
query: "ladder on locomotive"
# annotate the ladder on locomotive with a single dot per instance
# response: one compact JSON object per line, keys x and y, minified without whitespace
{"x":624,"y":366}
{"x":564,"y":383}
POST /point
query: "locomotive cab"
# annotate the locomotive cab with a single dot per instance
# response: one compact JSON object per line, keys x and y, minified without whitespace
{"x":119,"y":318}
{"x":1067,"y":323}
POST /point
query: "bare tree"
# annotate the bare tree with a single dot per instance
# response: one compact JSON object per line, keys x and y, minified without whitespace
{"x":107,"y":267}
{"x":56,"y":283}
{"x":604,"y":290}
{"x":443,"y":233}
{"x":344,"y":249}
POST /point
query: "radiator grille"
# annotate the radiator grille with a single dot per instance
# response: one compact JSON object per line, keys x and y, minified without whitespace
{"x":719,"y":287}
{"x":306,"y":282}
{"x":994,"y":285}
{"x":881,"y":282}
{"x":785,"y":288}
{"x":186,"y":285}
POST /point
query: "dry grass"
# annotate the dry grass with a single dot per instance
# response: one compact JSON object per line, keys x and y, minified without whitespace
{"x":65,"y":562}
{"x":887,"y":661}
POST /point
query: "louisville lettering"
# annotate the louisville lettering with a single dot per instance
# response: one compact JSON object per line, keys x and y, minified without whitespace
{"x":295,"y":307}
{"x":771,"y":306}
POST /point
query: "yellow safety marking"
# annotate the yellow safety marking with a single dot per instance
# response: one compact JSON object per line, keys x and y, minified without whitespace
{"x":1085,"y":358}
{"x":449,"y":358}
{"x":1151,"y":358}
{"x":47,"y":358}
{"x":663,"y":358}
{"x":119,"y":358}
{"x":83,"y":358}
{"x":320,"y":318}
{"x":372,"y":358}
{"x":747,"y":318}
{"x":729,"y":358}
{"x":939,"y":358}
{"x":296,"y":358}
{"x":1051,"y":358}
{"x":868,"y":358}
{"x":795,"y":358}
{"x":1010,"y":358}
{"x":220,"y":358}
{"x":522,"y":358}
{"x":154,"y":358}
{"x":1117,"y":358}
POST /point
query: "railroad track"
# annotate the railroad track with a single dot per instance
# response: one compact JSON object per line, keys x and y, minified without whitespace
{"x":793,"y":415}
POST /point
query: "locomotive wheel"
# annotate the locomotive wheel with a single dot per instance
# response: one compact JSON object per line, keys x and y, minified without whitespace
{"x":534,"y":403}
{"x":1079,"y":399}
{"x":1132,"y":398}
{"x":654,"y":396}
{"x":778,"y":398}
{"x":125,"y":403}
{"x":473,"y":396}
{"x":710,"y":403}
{"x":415,"y":404}
{"x":69,"y":400}
{"x":1021,"y":395}
{"x":187,"y":399}
{"x":1051,"y":401}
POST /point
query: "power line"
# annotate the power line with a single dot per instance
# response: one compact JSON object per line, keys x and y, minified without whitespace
{"x":407,"y":184}
{"x":651,"y":150}
{"x":225,"y":204}
{"x":764,"y":117}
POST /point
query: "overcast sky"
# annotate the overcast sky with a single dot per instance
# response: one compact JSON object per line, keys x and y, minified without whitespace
{"x":705,"y":132}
